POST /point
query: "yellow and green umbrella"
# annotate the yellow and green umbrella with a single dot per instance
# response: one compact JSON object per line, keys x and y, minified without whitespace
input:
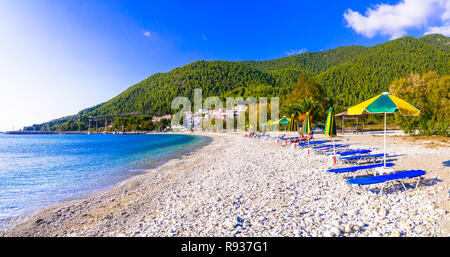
{"x":267,"y":123}
{"x":330,"y":124}
{"x":385,"y":103}
{"x":292,"y":124}
{"x":330,"y":128}
{"x":283,"y":120}
{"x":306,"y":129}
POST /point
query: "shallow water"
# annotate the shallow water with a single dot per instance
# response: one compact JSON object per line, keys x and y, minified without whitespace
{"x":40,"y":170}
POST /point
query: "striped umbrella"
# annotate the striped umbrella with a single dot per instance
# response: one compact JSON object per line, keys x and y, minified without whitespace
{"x":267,"y":123}
{"x":293,"y":123}
{"x":330,"y":124}
{"x":330,"y":128}
{"x":385,"y":103}
{"x":283,"y":120}
{"x":306,"y":129}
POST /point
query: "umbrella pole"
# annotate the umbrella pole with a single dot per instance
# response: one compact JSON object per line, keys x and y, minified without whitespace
{"x":278,"y":133}
{"x":385,"y":140}
{"x":309,"y":155}
{"x":334,"y":152}
{"x":308,"y":146}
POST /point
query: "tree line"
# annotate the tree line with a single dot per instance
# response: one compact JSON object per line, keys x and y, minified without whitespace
{"x":338,"y":77}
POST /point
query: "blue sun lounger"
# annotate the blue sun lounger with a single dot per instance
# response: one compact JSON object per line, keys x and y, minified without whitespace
{"x":356,"y":169}
{"x":312,"y":143}
{"x":329,"y":146}
{"x":389,"y":178}
{"x":359,"y":158}
{"x":354,"y":152}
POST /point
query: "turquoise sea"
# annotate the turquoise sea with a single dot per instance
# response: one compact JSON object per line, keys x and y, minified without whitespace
{"x":40,"y":170}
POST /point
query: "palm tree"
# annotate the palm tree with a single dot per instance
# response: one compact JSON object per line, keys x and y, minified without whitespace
{"x":301,"y":107}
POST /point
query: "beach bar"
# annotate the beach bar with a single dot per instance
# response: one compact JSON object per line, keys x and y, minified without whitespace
{"x":345,"y":116}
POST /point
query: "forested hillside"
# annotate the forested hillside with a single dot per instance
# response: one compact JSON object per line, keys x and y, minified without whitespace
{"x":311,"y":63}
{"x":438,"y":41}
{"x":348,"y":75}
{"x":217,"y":78}
{"x":365,"y":76}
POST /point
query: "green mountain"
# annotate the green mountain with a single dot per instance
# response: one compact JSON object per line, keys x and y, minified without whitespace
{"x":311,"y":63}
{"x":349,"y":74}
{"x":367,"y":75}
{"x":216,"y":78}
{"x":438,"y":41}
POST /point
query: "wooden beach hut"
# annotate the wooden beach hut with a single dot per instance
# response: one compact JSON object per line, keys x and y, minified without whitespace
{"x":354,"y":129}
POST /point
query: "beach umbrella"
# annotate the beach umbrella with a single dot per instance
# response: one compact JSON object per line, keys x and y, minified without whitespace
{"x":306,"y":129}
{"x":330,"y":124}
{"x":293,"y":124}
{"x":286,"y":124}
{"x":283,"y":120}
{"x":330,"y":128}
{"x":385,"y":103}
{"x":267,"y":123}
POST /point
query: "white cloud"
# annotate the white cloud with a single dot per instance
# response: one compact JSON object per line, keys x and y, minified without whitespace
{"x":395,"y":20}
{"x":444,"y":29}
{"x":147,"y":33}
{"x":296,"y":51}
{"x":204,"y":37}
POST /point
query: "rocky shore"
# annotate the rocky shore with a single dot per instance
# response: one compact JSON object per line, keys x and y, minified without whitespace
{"x":238,"y":186}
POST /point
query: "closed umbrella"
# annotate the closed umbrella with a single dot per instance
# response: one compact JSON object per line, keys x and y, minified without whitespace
{"x":293,"y":124}
{"x":306,"y":129}
{"x":330,"y":128}
{"x":385,"y":103}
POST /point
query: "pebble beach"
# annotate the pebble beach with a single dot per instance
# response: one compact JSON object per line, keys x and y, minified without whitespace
{"x":240,"y":186}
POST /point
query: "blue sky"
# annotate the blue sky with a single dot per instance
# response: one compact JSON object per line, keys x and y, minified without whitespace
{"x":60,"y":56}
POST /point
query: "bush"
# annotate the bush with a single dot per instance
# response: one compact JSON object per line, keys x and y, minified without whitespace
{"x":431,"y":93}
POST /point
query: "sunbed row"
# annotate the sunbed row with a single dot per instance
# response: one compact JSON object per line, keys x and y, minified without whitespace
{"x":355,"y":156}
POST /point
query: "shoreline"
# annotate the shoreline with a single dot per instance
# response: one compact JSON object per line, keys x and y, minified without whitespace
{"x":237,"y":186}
{"x":199,"y":142}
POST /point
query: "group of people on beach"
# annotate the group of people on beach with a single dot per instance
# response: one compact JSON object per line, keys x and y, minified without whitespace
{"x":301,"y":138}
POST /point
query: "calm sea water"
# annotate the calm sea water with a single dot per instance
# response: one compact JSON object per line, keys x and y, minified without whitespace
{"x":40,"y":170}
